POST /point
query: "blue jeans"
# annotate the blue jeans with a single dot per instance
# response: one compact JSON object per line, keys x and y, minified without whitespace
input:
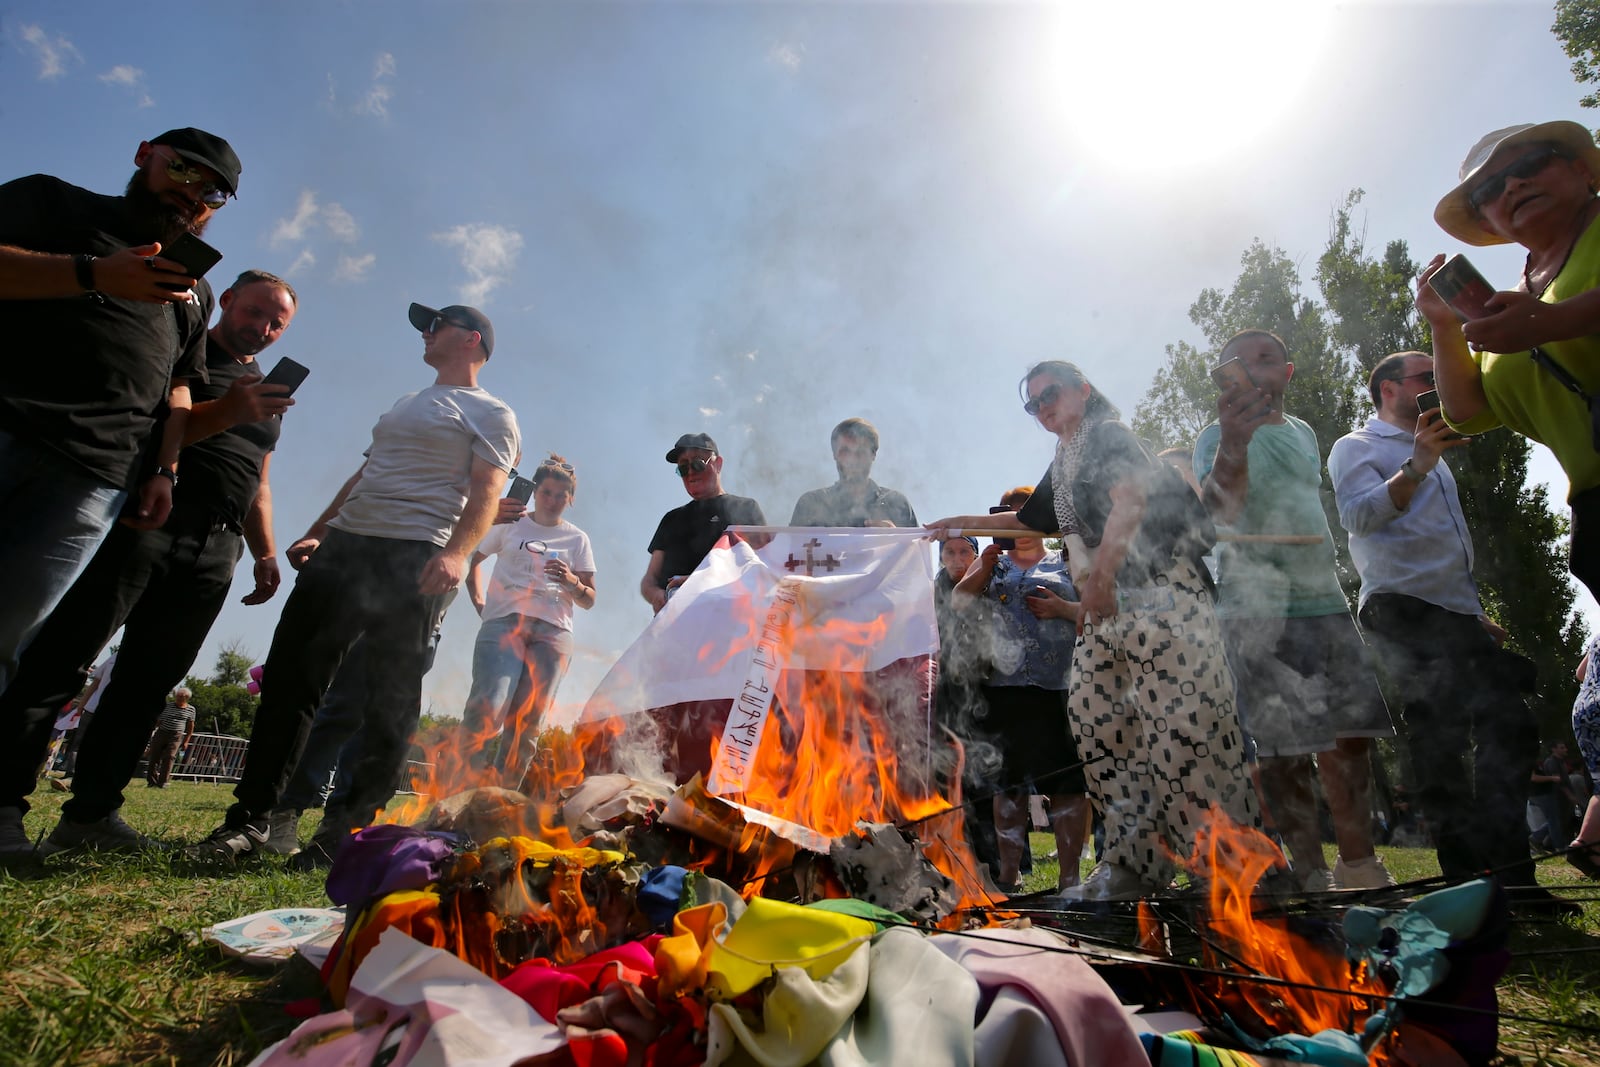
{"x":517,"y":663}
{"x":57,"y":515}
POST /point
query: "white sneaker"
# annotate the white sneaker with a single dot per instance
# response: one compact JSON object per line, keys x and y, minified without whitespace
{"x":14,"y":840}
{"x":1369,"y":873}
{"x":284,"y":837}
{"x":1318,"y":880}
{"x":1109,"y":881}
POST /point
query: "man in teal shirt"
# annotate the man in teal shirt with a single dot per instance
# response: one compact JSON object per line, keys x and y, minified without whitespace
{"x":1305,"y":681}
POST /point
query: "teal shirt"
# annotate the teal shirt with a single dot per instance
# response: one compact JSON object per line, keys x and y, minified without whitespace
{"x":1276,"y":581}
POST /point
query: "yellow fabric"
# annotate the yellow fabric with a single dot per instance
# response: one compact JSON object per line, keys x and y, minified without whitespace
{"x":683,"y":956}
{"x":772,"y":934}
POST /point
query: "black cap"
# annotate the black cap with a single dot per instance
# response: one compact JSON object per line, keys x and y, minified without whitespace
{"x":207,"y":149}
{"x":468,"y":318}
{"x":701,"y":441}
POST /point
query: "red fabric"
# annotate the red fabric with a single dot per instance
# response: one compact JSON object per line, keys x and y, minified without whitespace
{"x":548,"y":988}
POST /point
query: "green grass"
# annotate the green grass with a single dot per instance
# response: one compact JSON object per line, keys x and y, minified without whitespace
{"x":103,"y":965}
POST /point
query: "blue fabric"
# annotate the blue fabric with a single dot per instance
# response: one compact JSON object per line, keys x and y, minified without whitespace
{"x":660,"y":894}
{"x":57,"y":515}
{"x":517,"y":663}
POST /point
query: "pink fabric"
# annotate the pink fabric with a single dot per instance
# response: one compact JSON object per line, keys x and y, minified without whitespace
{"x":548,"y":988}
{"x":1088,"y":1020}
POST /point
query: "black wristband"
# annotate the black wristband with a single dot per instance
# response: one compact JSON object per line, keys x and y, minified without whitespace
{"x":83,"y":267}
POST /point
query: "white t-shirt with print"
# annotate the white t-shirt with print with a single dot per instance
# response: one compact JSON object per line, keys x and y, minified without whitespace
{"x":517,"y":583}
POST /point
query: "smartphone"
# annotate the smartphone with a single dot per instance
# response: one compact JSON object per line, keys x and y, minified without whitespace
{"x":1430,"y":400}
{"x":1459,"y":284}
{"x":1230,"y":374}
{"x":196,"y":256}
{"x":521,"y":489}
{"x":1006,"y":543}
{"x":287,"y":372}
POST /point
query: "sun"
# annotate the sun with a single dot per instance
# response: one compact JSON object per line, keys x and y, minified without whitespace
{"x":1197,"y":79}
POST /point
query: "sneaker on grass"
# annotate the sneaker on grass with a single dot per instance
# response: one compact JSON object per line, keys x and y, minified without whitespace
{"x":1110,"y":881}
{"x":324,"y":846}
{"x":1369,"y":873}
{"x":231,"y":843}
{"x":284,"y":837}
{"x":109,"y":834}
{"x":13,"y":838}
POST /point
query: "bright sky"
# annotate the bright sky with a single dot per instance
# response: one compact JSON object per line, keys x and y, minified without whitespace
{"x":755,"y":220}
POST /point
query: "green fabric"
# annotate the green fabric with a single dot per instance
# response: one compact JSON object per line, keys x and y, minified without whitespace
{"x":1276,"y":581}
{"x":1527,"y":398}
{"x":861,"y":909}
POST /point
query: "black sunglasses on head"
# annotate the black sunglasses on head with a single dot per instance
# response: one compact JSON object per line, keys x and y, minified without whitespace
{"x":1524,"y":167}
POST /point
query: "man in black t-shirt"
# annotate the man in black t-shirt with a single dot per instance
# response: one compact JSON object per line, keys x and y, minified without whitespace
{"x":686,"y":534}
{"x":101,"y":331}
{"x":167,"y":585}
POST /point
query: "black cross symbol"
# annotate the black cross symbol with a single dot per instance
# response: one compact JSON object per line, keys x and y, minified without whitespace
{"x":811,"y":562}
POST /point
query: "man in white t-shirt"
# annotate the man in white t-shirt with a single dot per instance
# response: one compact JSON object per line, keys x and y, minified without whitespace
{"x":376,"y":564}
{"x":543,"y":567}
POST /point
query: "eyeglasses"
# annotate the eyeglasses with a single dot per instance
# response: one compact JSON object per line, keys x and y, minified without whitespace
{"x":557,"y":464}
{"x":694,"y":466}
{"x":1426,"y":376}
{"x":183,"y":172}
{"x":1046,"y":397}
{"x":1524,"y":167}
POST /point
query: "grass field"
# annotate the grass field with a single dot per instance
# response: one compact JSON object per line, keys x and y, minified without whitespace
{"x":103,"y":964}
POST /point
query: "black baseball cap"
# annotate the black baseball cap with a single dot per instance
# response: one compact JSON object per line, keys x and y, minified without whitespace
{"x":468,"y":318}
{"x":701,"y":441}
{"x":207,"y":149}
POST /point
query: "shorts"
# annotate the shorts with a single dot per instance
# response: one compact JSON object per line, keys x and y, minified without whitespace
{"x":1030,"y":727}
{"x":1303,"y":684}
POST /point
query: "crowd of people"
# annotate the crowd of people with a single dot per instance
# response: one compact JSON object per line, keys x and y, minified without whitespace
{"x":1186,"y":650}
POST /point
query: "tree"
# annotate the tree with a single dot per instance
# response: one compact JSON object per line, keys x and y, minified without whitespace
{"x":1578,"y":26}
{"x":222,"y":703}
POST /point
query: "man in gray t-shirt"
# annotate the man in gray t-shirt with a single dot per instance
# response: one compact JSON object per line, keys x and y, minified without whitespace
{"x":375,"y":565}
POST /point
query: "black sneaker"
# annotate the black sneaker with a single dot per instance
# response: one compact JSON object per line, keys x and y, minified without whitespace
{"x":324,"y":846}
{"x":230,"y":843}
{"x":1536,"y":900}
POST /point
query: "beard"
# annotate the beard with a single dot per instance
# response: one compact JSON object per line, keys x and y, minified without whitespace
{"x":157,"y":219}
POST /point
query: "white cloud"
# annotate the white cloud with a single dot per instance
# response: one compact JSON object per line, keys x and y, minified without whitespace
{"x":488,"y":253}
{"x":710,"y":413}
{"x":308,"y":216}
{"x":294,"y":227}
{"x":303,"y":262}
{"x":122,"y":76}
{"x":339,"y":222}
{"x":788,"y":56}
{"x":354,"y":268}
{"x":53,"y":53}
{"x":376,"y":102}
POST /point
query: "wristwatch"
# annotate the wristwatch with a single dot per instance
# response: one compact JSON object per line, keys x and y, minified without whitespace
{"x":83,"y":268}
{"x":166,"y":472}
{"x":1410,"y":471}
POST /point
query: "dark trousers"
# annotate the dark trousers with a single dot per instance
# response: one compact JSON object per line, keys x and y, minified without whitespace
{"x":352,"y":587}
{"x":167,"y":585}
{"x":163,"y":750}
{"x":1469,"y":733}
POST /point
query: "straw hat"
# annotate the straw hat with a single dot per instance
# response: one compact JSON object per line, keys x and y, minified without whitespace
{"x":1456,"y":215}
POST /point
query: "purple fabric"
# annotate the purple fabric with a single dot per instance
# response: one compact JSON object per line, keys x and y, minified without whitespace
{"x":386,"y":859}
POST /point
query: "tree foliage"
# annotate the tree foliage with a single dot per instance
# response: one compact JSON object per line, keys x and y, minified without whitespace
{"x":222,"y":703}
{"x":1577,"y":25}
{"x":1366,"y":311}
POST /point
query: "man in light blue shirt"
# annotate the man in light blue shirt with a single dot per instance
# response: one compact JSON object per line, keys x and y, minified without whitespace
{"x":1438,"y":653}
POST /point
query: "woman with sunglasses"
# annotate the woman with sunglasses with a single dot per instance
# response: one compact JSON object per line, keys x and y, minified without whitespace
{"x":1531,"y":362}
{"x":545,"y":567}
{"x":1150,"y":694}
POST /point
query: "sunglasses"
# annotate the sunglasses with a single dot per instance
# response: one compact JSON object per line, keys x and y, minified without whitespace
{"x":557,"y":464}
{"x":440,"y":322}
{"x":1525,"y":166}
{"x":183,"y":172}
{"x":1426,"y":376}
{"x":1046,"y":397}
{"x":694,"y":466}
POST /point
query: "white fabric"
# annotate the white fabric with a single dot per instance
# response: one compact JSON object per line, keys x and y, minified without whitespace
{"x":517,"y":585}
{"x":701,"y":645}
{"x":419,"y":465}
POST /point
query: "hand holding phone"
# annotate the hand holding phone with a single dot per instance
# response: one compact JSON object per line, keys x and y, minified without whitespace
{"x":521,"y":489}
{"x":1462,"y":288}
{"x":194,"y":255}
{"x":1231,"y":375}
{"x":287,"y":372}
{"x":1003,"y":543}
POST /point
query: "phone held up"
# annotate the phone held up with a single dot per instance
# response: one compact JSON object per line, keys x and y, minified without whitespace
{"x":1430,"y":400}
{"x":1230,"y":374}
{"x":196,"y":256}
{"x":1459,"y":285}
{"x":1003,"y":543}
{"x":521,"y":489}
{"x":287,"y":372}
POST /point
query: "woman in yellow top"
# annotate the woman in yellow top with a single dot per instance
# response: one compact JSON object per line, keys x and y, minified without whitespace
{"x":1533,"y":363}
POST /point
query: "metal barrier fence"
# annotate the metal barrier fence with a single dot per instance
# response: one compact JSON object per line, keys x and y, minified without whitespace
{"x":212,"y":758}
